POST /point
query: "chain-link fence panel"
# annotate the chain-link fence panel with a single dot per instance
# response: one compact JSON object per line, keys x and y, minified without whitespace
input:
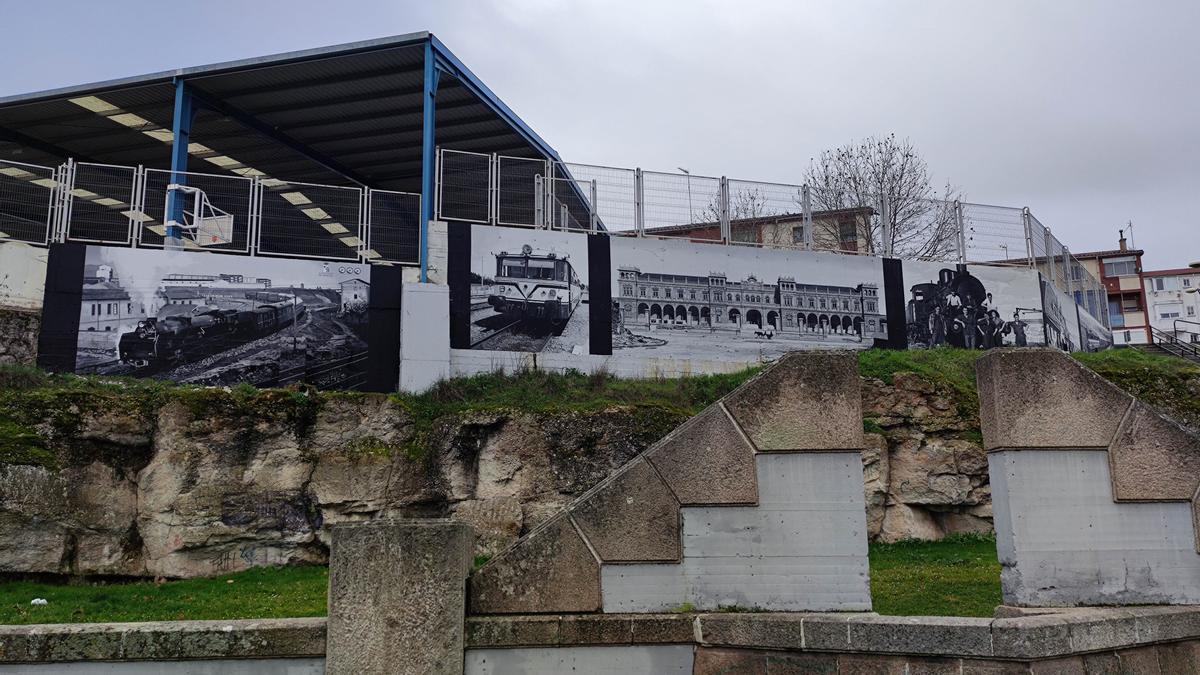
{"x":394,"y":232}
{"x":616,"y":195}
{"x":303,"y":220}
{"x":846,"y":221}
{"x":232,"y":196}
{"x":766,"y":214}
{"x":464,"y":186}
{"x":27,"y":193}
{"x":923,"y":229}
{"x":682,"y":205}
{"x":516,"y":190}
{"x":994,"y":234}
{"x":100,"y":203}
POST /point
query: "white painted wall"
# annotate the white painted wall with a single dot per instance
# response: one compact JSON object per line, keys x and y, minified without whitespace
{"x":657,"y":659}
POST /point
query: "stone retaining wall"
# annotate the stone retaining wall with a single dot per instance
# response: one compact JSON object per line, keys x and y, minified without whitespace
{"x":1142,"y":640}
{"x":19,"y":331}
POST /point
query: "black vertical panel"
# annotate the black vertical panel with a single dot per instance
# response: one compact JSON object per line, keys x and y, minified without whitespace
{"x":61,"y":304}
{"x":458,"y":273}
{"x":894,"y":297}
{"x":383,"y":329}
{"x":600,"y":294}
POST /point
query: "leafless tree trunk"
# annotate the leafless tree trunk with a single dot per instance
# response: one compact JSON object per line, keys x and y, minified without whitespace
{"x":923,"y":223}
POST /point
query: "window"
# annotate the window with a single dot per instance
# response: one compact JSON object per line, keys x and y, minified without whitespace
{"x":1169,"y":315}
{"x":1187,"y":282}
{"x":811,"y":303}
{"x":848,"y":235}
{"x":626,"y":290}
{"x":1158,"y":284}
{"x":642,"y":291}
{"x":1191,"y":311}
{"x":1120,"y":268}
{"x":798,"y":235}
{"x":822,"y":303}
{"x":1130,"y":303}
{"x":654,"y":291}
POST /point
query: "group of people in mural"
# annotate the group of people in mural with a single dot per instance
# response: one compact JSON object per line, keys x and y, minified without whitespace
{"x":957,"y":311}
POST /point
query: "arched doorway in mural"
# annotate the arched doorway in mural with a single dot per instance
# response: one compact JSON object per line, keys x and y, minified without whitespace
{"x":773,"y":320}
{"x":754,"y":316}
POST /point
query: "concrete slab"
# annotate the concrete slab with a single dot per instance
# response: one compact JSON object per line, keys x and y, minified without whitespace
{"x":806,"y":401}
{"x":803,"y":548}
{"x":707,"y":460}
{"x":1042,"y":398}
{"x":631,"y":516}
{"x":1063,"y":541}
{"x":1153,"y":458}
{"x":551,"y":570}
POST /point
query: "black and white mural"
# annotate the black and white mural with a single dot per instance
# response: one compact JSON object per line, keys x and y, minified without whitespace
{"x":972,"y":307}
{"x":1062,"y":318}
{"x":709,"y":302}
{"x":1093,"y":334}
{"x":529,"y":290}
{"x":211,"y":319}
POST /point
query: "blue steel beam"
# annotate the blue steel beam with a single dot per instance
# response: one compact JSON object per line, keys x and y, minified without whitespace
{"x":428,"y":150}
{"x":181,"y":128}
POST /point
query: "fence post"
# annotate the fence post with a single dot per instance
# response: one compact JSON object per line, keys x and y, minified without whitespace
{"x":1049,"y":251}
{"x":494,"y":189}
{"x":962,"y":233}
{"x":806,"y":209}
{"x":539,"y":200}
{"x":723,"y":195}
{"x":1070,"y":272}
{"x":592,"y":217}
{"x":1026,"y":220}
{"x":639,"y":203}
{"x":885,"y":225}
{"x":68,"y":201}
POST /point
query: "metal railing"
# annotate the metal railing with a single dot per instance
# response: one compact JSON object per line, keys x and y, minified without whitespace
{"x":1171,"y":344}
{"x":522,"y":192}
{"x":131,"y":206}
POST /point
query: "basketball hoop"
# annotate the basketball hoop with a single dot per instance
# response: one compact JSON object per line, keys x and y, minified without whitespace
{"x":204,"y":223}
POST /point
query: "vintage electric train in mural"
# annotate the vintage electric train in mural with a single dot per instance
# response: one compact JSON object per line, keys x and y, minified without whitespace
{"x":541,"y":287}
{"x":206,"y":330}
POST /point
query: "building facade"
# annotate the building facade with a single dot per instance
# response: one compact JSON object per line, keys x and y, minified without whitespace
{"x":1173,"y":298}
{"x":784,"y":307}
{"x":844,"y":230}
{"x":1120,"y":271}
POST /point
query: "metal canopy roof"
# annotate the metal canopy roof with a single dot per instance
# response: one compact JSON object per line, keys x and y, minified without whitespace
{"x":335,"y":115}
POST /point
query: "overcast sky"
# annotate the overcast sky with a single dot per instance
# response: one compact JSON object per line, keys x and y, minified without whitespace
{"x":1087,"y":112}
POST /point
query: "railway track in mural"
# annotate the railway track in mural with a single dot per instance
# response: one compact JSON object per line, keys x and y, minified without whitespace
{"x":498,"y":332}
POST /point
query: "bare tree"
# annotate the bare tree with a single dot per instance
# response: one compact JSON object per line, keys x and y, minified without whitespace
{"x":923,"y":223}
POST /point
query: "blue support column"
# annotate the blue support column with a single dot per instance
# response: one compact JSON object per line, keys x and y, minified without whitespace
{"x":428,"y":153}
{"x":181,"y":127}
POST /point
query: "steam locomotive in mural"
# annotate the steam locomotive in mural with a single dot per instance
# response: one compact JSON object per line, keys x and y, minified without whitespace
{"x":205,"y":330}
{"x":540,"y":287}
{"x":957,"y":311}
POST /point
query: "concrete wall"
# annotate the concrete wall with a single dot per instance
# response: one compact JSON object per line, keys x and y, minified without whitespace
{"x":804,"y":546}
{"x":309,"y":666}
{"x":1063,"y":541}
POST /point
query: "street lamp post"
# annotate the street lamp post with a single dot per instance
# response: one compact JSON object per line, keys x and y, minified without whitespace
{"x":691,"y":216}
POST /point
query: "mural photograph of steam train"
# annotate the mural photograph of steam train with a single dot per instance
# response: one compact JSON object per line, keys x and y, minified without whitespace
{"x":977,"y":308}
{"x":219,"y":320}
{"x":528,"y":292}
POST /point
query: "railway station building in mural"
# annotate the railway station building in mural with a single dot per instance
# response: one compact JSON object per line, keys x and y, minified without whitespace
{"x":782,"y":307}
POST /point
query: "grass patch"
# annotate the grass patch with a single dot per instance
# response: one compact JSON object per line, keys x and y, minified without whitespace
{"x":262,"y":593}
{"x":958,"y":576}
{"x":948,"y":368}
{"x":1166,"y":382}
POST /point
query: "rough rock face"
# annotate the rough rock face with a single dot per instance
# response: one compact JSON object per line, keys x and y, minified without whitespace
{"x":204,"y":484}
{"x":926,"y":473}
{"x":19,"y":336}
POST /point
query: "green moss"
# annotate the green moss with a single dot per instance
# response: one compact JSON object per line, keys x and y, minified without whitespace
{"x":22,"y":445}
{"x":1165,"y":382}
{"x":369,"y":446}
{"x":870,"y":426}
{"x":950,"y":370}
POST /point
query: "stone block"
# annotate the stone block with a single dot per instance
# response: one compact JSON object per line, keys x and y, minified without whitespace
{"x":1102,"y":663}
{"x":549,"y":571}
{"x":1031,"y":637}
{"x":959,"y":636}
{"x":631,"y":517}
{"x":761,"y":630}
{"x":805,"y":401}
{"x":1070,"y":665}
{"x":827,"y":632}
{"x":511,"y":631}
{"x":1096,"y":629}
{"x":718,"y":661}
{"x":1153,"y":458}
{"x":1179,"y":657}
{"x":987,"y":667}
{"x":663,"y":629}
{"x":707,"y":460}
{"x":593,"y":629}
{"x":871,"y":664}
{"x":934,"y":666}
{"x":1042,"y":398}
{"x":1165,"y":624}
{"x":397,"y":596}
{"x":791,"y":663}
{"x":1139,"y":661}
